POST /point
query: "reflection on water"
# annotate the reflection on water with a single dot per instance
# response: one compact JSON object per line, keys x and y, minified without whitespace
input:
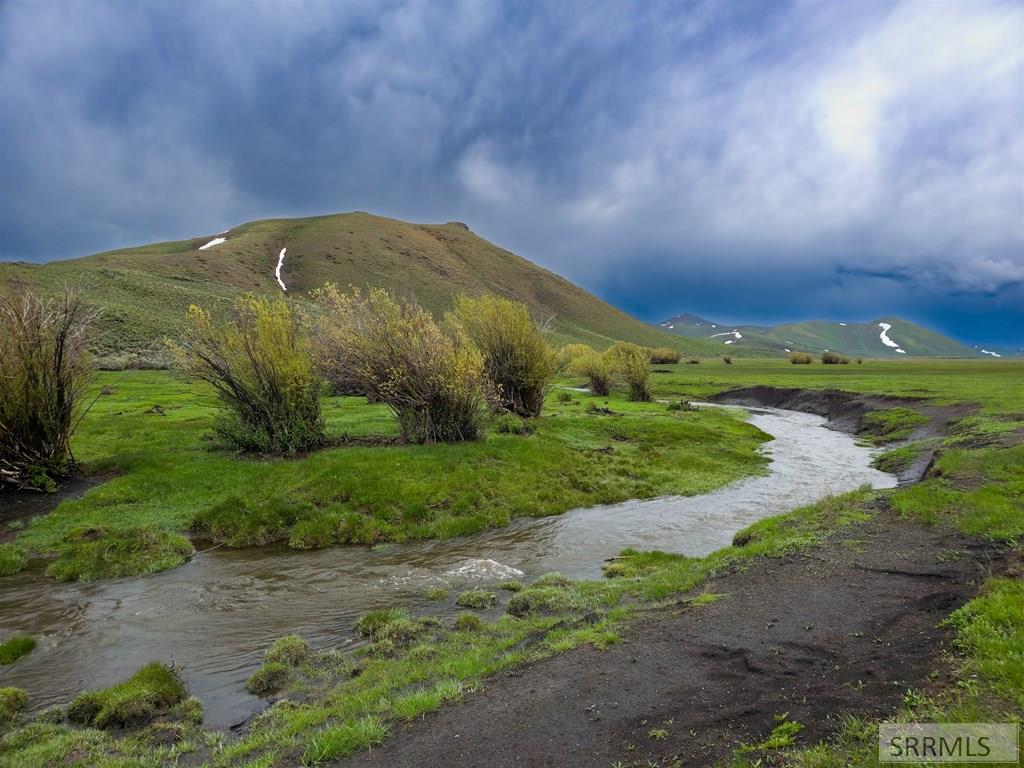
{"x":215,"y":616}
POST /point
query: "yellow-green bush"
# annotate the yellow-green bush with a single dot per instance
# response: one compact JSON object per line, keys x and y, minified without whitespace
{"x":44,"y":370}
{"x":518,"y":360}
{"x":664,"y":355}
{"x":595,"y":367}
{"x":633,"y":363}
{"x":433,"y":381}
{"x":260,"y":363}
{"x":800,"y":358}
{"x":567,"y":353}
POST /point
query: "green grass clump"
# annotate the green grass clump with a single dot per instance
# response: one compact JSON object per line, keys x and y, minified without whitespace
{"x":437,"y":593}
{"x":391,"y":628}
{"x":342,"y":741}
{"x":13,"y":648}
{"x":270,"y":678}
{"x":467,"y":622}
{"x":151,"y":691}
{"x":891,"y":424}
{"x":783,"y":735}
{"x":477,"y":599}
{"x":12,"y":559}
{"x":552,"y":579}
{"x":418,"y":703}
{"x":990,"y":633}
{"x":898,"y":459}
{"x":12,"y":702}
{"x":511,"y":586}
{"x":290,"y":649}
{"x":88,"y":554}
{"x":541,"y":600}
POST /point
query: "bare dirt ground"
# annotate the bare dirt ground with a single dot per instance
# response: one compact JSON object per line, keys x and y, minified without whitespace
{"x":846,"y":627}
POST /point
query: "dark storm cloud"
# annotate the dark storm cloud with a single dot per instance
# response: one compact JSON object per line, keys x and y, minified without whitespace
{"x":754,"y":161}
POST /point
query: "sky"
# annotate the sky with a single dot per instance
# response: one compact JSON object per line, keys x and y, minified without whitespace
{"x":760,"y":161}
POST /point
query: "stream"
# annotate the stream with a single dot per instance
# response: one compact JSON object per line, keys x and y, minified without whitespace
{"x":215,"y":616}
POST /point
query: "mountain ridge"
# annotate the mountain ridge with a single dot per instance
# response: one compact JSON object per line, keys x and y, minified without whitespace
{"x":883,"y":337}
{"x":144,"y":291}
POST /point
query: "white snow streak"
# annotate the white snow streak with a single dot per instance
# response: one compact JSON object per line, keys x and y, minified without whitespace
{"x":277,"y":272}
{"x":884,"y":336}
{"x":994,"y":354}
{"x":736,"y":334}
{"x":215,"y":241}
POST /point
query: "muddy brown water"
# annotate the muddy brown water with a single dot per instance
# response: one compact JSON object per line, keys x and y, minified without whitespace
{"x":215,"y":616}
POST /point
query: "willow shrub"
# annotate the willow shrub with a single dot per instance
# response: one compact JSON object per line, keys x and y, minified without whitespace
{"x":594,"y":366}
{"x":259,"y":361}
{"x":433,"y":381}
{"x":44,"y":371}
{"x":518,"y":361}
{"x":664,"y":355}
{"x":633,"y":363}
{"x":800,"y":358}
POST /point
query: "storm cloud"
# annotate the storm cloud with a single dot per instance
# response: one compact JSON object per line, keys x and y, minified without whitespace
{"x":749,"y":161}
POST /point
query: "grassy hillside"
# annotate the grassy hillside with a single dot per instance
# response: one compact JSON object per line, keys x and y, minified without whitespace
{"x":816,"y":336}
{"x":145,"y":291}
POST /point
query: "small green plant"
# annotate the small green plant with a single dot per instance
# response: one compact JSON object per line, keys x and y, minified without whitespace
{"x":13,"y":648}
{"x":564,"y":397}
{"x":151,"y":691}
{"x":510,"y":424}
{"x":467,"y":622}
{"x":542,"y":600}
{"x":12,"y":559}
{"x":260,"y":364}
{"x":345,"y":739}
{"x":727,"y":359}
{"x":783,"y":735}
{"x":437,"y":593}
{"x":658,"y":734}
{"x":511,"y":586}
{"x":270,"y":678}
{"x":290,"y":649}
{"x":417,"y":703}
{"x":477,"y":599}
{"x":681,"y":405}
{"x":12,"y":702}
{"x":800,"y":358}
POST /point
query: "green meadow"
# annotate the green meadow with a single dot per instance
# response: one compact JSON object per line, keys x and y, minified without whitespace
{"x":170,"y":478}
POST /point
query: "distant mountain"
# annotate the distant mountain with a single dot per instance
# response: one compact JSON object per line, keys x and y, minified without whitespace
{"x":144,"y":291}
{"x":886,"y":337}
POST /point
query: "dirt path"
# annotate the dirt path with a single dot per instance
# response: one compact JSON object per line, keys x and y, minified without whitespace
{"x":846,"y":627}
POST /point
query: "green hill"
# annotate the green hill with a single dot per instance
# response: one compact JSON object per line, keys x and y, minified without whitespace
{"x":905,"y":339}
{"x":143,"y":292}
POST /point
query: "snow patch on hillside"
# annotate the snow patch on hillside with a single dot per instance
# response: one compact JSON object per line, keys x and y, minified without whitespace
{"x":884,"y":336}
{"x":277,"y":272}
{"x":215,"y":241}
{"x":994,"y":354}
{"x":736,"y":334}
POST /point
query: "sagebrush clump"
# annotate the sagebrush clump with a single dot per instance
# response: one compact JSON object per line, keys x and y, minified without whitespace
{"x":44,"y":371}
{"x":433,"y":381}
{"x":800,"y":358}
{"x":259,"y":361}
{"x":831,"y":358}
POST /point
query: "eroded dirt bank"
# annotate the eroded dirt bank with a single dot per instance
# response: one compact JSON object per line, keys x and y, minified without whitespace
{"x":844,"y":627}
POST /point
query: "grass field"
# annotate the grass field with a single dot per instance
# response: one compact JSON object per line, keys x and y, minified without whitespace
{"x":414,"y":665}
{"x":153,"y":431}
